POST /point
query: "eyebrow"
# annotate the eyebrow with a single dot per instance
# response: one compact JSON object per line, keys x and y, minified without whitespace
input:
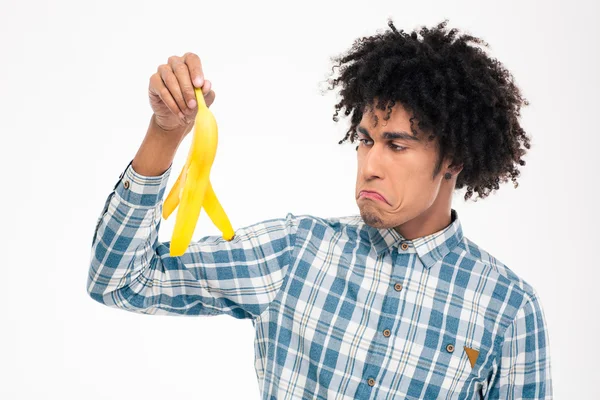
{"x":391,"y":135}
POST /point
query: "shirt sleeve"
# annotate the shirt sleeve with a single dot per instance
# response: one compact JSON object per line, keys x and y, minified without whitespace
{"x":523,"y":371}
{"x":131,"y":270}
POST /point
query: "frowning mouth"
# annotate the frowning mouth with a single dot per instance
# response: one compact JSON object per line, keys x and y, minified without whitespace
{"x":369,"y":194}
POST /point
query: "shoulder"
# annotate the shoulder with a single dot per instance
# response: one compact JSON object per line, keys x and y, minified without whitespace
{"x":319,"y":230}
{"x":499,"y":271}
{"x":309,"y":221}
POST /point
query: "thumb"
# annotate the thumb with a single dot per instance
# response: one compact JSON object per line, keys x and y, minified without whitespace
{"x":209,"y":98}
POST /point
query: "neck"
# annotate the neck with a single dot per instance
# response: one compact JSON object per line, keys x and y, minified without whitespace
{"x":434,"y":219}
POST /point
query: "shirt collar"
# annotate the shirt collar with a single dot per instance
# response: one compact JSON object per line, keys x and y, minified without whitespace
{"x":430,"y":248}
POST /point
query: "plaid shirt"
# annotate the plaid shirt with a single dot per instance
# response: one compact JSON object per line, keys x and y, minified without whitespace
{"x":341,"y":310}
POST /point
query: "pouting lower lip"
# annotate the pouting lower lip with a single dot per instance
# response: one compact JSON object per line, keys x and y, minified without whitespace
{"x":372,"y":195}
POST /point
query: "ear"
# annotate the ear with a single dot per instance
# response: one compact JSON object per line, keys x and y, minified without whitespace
{"x":456,"y":168}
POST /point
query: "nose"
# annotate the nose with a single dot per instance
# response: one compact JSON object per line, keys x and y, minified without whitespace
{"x":371,"y":162}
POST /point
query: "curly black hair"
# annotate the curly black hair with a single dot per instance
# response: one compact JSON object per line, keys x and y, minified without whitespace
{"x":456,"y":92}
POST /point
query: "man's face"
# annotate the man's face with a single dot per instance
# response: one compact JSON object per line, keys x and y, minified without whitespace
{"x":402,"y":175}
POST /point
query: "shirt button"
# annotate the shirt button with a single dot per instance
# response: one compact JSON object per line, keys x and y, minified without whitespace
{"x":404,"y":246}
{"x":450,"y":348}
{"x":126,"y":184}
{"x":371,"y":382}
{"x":398,"y":287}
{"x":387,"y":333}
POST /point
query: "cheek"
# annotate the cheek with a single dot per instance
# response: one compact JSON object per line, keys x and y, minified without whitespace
{"x":409,"y":174}
{"x":417,"y":167}
{"x":413,"y":182}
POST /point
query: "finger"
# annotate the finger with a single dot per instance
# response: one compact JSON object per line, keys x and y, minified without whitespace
{"x":182,"y":74}
{"x":195,"y":67}
{"x":206,"y":87}
{"x":157,"y":86}
{"x":172,"y":84}
{"x":209,"y":98}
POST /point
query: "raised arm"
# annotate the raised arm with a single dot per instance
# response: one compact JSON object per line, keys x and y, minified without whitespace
{"x":130,"y":269}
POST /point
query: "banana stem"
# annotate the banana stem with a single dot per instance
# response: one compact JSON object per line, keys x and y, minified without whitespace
{"x":200,"y":98}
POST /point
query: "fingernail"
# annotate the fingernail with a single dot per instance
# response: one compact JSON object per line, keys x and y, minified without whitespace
{"x":192,"y":103}
{"x":198,"y":81}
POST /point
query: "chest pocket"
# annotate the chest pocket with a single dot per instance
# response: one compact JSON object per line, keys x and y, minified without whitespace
{"x":440,"y":362}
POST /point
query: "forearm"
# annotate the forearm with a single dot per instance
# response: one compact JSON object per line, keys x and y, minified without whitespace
{"x":121,"y":253}
{"x":125,"y":240}
{"x":157,"y":150}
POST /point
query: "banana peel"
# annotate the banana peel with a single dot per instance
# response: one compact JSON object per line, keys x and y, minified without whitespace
{"x":192,"y":190}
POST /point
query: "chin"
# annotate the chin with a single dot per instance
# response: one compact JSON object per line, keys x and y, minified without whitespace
{"x":372,"y":218}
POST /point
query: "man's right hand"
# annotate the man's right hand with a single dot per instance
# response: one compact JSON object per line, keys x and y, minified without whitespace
{"x":172,"y":96}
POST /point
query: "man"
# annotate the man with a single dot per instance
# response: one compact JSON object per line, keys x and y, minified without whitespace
{"x":396,"y":303}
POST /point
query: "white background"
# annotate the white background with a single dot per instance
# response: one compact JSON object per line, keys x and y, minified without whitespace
{"x":74,"y":110}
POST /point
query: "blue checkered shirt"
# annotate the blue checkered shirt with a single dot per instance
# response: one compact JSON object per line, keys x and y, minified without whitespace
{"x":341,"y":310}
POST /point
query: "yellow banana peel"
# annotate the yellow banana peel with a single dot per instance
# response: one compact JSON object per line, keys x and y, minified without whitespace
{"x":192,"y":190}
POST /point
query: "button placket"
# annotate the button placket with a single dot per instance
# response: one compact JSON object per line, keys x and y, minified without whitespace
{"x":387,"y":322}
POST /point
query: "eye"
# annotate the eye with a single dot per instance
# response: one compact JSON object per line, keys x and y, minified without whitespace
{"x":398,"y":148}
{"x":394,"y":147}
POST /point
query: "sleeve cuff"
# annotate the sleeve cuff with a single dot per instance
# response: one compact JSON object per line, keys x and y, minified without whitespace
{"x":141,"y":191}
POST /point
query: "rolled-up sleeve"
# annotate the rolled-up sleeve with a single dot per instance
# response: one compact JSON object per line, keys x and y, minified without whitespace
{"x":132,"y":270}
{"x":523,"y":370}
